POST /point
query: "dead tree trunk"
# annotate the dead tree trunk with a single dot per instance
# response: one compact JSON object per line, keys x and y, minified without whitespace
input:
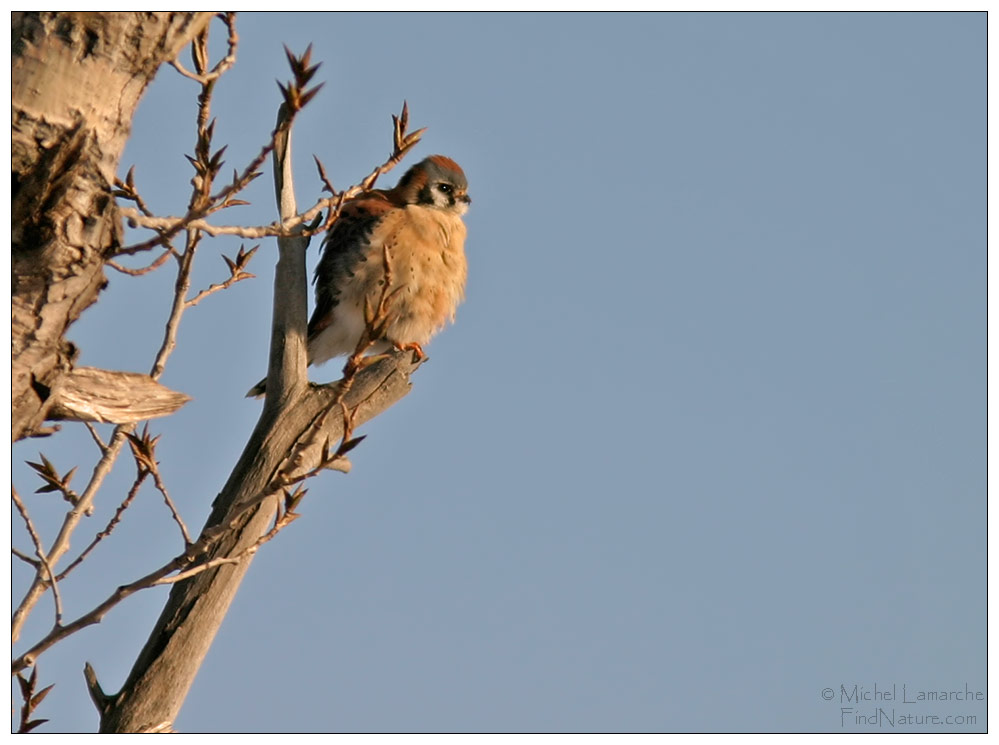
{"x":77,"y":78}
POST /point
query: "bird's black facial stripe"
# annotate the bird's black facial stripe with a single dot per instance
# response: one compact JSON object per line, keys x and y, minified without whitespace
{"x":426,"y":195}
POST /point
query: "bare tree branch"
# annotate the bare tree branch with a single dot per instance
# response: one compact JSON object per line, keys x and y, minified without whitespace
{"x":160,"y":261}
{"x":61,"y":543}
{"x":237,"y":273}
{"x":161,"y":487}
{"x":115,"y":519}
{"x":97,"y":437}
{"x":224,"y":64}
{"x":17,"y":553}
{"x":43,"y":560}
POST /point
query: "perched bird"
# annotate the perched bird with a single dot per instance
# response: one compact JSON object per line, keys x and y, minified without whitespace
{"x":419,"y":224}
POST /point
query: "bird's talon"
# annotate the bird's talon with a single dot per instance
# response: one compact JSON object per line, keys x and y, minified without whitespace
{"x":415,"y":348}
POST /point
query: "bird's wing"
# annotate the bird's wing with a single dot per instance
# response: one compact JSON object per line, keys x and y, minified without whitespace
{"x":346,"y":245}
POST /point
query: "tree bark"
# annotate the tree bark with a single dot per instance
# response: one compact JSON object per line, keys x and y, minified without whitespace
{"x":77,"y":79}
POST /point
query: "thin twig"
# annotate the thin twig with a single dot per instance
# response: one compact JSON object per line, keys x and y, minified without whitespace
{"x":281,"y":521}
{"x":327,"y":184}
{"x":146,"y":269}
{"x":60,"y":545}
{"x":35,"y":538}
{"x":194,"y":219}
{"x":39,"y":552}
{"x":212,"y":289}
{"x":179,"y":67}
{"x":224,"y":64}
{"x":24,"y":557}
{"x":169,"y":503}
{"x":237,"y":273}
{"x":126,"y":190}
{"x":97,"y":437}
{"x":115,"y":519}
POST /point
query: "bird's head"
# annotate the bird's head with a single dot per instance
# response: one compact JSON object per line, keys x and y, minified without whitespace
{"x":436,"y":182}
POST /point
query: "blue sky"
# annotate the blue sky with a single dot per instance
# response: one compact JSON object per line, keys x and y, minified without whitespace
{"x":706,"y":439}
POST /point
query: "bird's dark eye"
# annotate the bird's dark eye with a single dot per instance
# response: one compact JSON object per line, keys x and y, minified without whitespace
{"x":446,"y":188}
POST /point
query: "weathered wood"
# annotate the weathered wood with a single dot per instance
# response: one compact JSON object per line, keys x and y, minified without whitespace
{"x":88,"y":394}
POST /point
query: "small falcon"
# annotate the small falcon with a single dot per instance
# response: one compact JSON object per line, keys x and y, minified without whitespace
{"x":419,"y":224}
